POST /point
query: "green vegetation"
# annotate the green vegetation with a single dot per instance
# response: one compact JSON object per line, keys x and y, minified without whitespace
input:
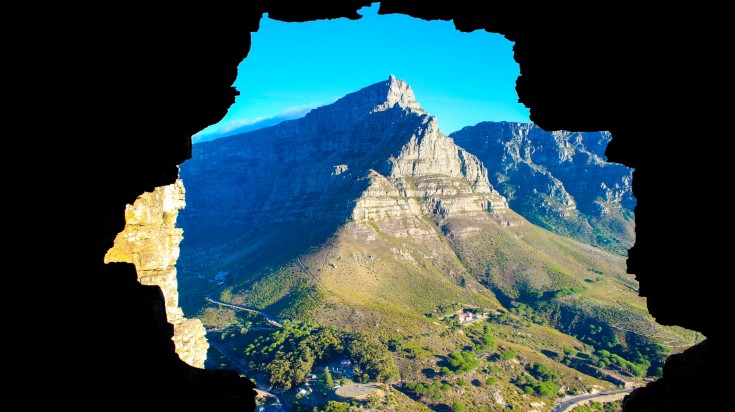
{"x":218,"y":318}
{"x":335,"y":406}
{"x":463,"y":361}
{"x":543,"y":372}
{"x":390,"y":287}
{"x":328,"y":380}
{"x":593,"y":406}
{"x":435,"y":391}
{"x":508,"y":354}
{"x":542,"y":381}
{"x":373,"y":356}
{"x":287,"y":356}
{"x":459,"y":407}
{"x":613,"y":232}
{"x":547,"y":314}
{"x":413,"y":350}
{"x":287,"y":292}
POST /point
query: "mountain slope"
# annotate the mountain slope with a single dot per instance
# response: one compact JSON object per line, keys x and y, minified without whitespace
{"x":558,"y":180}
{"x":362,"y":220}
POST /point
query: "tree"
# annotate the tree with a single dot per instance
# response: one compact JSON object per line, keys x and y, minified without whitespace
{"x":459,"y":407}
{"x":328,"y":381}
{"x":373,"y":400}
{"x":548,"y":389}
{"x":508,"y":354}
{"x":218,"y":318}
{"x":463,"y":361}
{"x":374,"y":357}
{"x":544,"y":373}
{"x":488,"y":339}
{"x":334,"y":406}
{"x":280,"y":372}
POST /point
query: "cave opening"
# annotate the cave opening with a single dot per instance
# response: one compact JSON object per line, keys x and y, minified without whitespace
{"x":522,"y":309}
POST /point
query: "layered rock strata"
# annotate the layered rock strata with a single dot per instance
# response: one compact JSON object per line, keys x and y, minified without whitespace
{"x":150,"y":241}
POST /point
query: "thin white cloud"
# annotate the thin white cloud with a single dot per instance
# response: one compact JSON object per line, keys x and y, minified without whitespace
{"x":238,"y":123}
{"x":220,"y":130}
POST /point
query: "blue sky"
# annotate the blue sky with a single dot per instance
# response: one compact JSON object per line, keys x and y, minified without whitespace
{"x":295,"y":67}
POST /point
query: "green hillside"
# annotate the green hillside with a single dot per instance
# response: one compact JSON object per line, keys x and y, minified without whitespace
{"x":375,"y":240}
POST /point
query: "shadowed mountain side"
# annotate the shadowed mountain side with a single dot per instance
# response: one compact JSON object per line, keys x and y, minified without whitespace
{"x":558,"y":180}
{"x":185,"y":68}
{"x":290,"y":186}
{"x":390,"y":226}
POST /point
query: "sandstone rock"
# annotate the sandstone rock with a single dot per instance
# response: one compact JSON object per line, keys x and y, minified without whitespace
{"x":151,"y":240}
{"x":373,"y":155}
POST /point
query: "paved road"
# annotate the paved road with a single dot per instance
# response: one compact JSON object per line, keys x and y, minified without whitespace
{"x":567,"y":404}
{"x":267,"y":317}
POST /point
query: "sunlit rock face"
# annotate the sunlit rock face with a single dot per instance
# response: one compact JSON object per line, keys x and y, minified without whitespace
{"x":150,"y":241}
{"x":373,"y":154}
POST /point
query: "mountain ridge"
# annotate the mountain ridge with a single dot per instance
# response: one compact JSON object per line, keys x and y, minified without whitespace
{"x":364,"y":217}
{"x":558,"y":180}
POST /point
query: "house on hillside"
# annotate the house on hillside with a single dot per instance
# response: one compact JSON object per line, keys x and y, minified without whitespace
{"x":465,"y":317}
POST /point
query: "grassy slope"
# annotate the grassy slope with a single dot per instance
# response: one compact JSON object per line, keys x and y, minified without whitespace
{"x":371,"y":281}
{"x":390,"y":281}
{"x":614,"y":232}
{"x":527,"y":258}
{"x":384,"y":276}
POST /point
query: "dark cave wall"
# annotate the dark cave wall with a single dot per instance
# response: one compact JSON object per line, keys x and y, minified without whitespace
{"x":150,"y":81}
{"x":159,"y":79}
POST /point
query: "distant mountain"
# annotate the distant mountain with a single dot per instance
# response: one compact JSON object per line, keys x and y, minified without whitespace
{"x":373,"y":231}
{"x":558,"y":180}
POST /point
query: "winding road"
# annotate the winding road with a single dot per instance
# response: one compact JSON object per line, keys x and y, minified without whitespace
{"x":267,"y":317}
{"x":237,"y":363}
{"x":569,"y":403}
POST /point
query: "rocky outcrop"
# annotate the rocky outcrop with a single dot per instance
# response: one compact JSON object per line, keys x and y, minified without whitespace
{"x":569,"y":168}
{"x":372,"y":154}
{"x":559,"y":180}
{"x":150,"y":241}
{"x":430,"y":175}
{"x":566,"y":83}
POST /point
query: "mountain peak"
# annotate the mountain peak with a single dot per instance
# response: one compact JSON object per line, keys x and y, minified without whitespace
{"x":377,"y":97}
{"x":398,"y":92}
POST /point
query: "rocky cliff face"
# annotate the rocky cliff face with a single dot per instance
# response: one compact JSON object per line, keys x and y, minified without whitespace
{"x":431,"y":175}
{"x":559,"y":180}
{"x":374,"y":153}
{"x":150,"y":241}
{"x":364,"y":216}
